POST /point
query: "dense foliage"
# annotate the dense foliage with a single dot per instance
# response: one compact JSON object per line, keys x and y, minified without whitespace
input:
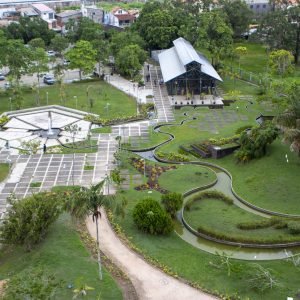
{"x":28,"y":220}
{"x":32,"y":283}
{"x":254,"y":143}
{"x":149,"y":217}
{"x":172,"y":203}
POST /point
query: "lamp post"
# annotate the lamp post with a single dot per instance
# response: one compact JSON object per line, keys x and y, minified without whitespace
{"x":75,"y":98}
{"x":106,"y":107}
{"x":47,"y":98}
{"x":73,"y":129}
{"x":8,"y":160}
{"x":137,"y":99}
{"x":107,"y":182}
{"x":10,"y":103}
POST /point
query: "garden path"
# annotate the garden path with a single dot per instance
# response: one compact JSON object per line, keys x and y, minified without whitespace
{"x":149,"y":282}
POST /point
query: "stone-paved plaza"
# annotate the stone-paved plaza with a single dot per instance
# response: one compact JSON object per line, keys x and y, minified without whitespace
{"x":57,"y":170}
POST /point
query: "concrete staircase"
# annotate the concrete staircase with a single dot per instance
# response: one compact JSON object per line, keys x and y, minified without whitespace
{"x":161,"y":99}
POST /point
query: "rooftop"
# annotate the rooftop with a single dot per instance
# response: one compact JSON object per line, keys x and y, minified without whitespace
{"x":173,"y":61}
{"x":42,"y":7}
{"x":68,"y":13}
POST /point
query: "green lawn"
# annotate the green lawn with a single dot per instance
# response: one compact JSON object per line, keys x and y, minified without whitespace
{"x":269,"y":182}
{"x":221,"y":219}
{"x":106,"y":129}
{"x":100,"y":91}
{"x":185,"y":178}
{"x":63,"y":254}
{"x":4,"y":169}
{"x":195,"y":265}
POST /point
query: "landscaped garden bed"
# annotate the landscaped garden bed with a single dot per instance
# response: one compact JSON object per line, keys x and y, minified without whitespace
{"x":214,"y":215}
{"x":152,"y":172}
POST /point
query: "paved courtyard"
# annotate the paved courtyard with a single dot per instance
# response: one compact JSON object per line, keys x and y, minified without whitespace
{"x":57,"y":170}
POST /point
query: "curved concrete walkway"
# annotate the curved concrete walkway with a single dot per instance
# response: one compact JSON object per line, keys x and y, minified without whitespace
{"x":150,"y":283}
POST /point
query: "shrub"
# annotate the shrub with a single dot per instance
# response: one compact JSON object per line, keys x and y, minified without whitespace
{"x":212,"y":195}
{"x":242,"y":129}
{"x":149,"y":217}
{"x":294,"y":227}
{"x":28,"y":219}
{"x":172,"y":203}
{"x":260,"y":224}
{"x":32,"y":283}
{"x":172,"y":156}
{"x":254,"y":145}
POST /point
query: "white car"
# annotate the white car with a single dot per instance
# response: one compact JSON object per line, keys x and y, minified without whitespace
{"x":51,"y":53}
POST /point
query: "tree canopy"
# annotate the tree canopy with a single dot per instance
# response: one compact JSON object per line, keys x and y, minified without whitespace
{"x":280,"y":29}
{"x":129,"y":60}
{"x":239,"y":15}
{"x":156,"y":25}
{"x":83,"y":57}
{"x":28,"y":29}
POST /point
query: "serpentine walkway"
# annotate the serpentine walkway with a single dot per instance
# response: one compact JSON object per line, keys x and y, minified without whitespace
{"x":150,"y":283}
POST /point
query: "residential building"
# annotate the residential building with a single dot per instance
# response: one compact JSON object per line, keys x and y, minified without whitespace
{"x":63,"y":18}
{"x":124,"y":17}
{"x":46,"y":13}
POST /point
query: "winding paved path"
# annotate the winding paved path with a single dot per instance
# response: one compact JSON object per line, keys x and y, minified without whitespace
{"x":150,"y":283}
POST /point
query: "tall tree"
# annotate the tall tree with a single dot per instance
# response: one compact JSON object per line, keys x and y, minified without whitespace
{"x":28,"y":29}
{"x":156,"y":26}
{"x":37,"y":43}
{"x":101,"y":47}
{"x":239,"y":15}
{"x":59,"y":44}
{"x":84,"y":29}
{"x":129,"y":60}
{"x":39,"y":65}
{"x":281,"y":30}
{"x":215,"y":35}
{"x":83,"y":57}
{"x":16,"y":57}
{"x":89,"y":201}
{"x":119,"y":40}
{"x":289,"y":120}
{"x":281,"y":62}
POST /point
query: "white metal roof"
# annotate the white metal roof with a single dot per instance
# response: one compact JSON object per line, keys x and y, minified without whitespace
{"x":170,"y":65}
{"x":173,"y":61}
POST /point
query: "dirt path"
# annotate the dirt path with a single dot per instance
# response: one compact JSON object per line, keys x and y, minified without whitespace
{"x":149,"y":282}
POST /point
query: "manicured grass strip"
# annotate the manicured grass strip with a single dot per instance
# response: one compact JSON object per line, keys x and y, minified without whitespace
{"x":63,"y":254}
{"x":86,"y":146}
{"x":218,"y":218}
{"x":4,"y":170}
{"x":106,"y":129}
{"x":35,"y":184}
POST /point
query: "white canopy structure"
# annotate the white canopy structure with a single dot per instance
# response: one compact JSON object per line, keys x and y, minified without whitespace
{"x":174,"y":61}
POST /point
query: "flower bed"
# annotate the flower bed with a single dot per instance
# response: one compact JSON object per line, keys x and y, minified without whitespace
{"x":152,"y":172}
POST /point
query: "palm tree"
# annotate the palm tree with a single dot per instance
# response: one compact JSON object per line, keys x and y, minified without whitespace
{"x":88,"y":201}
{"x":289,"y":120}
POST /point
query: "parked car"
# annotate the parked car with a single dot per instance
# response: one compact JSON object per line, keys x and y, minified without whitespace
{"x":51,"y":53}
{"x":66,"y":62}
{"x":2,"y":77}
{"x":49,"y":79}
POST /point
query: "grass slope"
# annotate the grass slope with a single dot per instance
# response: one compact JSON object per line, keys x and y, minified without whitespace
{"x":62,"y":253}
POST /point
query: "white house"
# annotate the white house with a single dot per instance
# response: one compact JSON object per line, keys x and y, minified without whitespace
{"x":46,"y":13}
